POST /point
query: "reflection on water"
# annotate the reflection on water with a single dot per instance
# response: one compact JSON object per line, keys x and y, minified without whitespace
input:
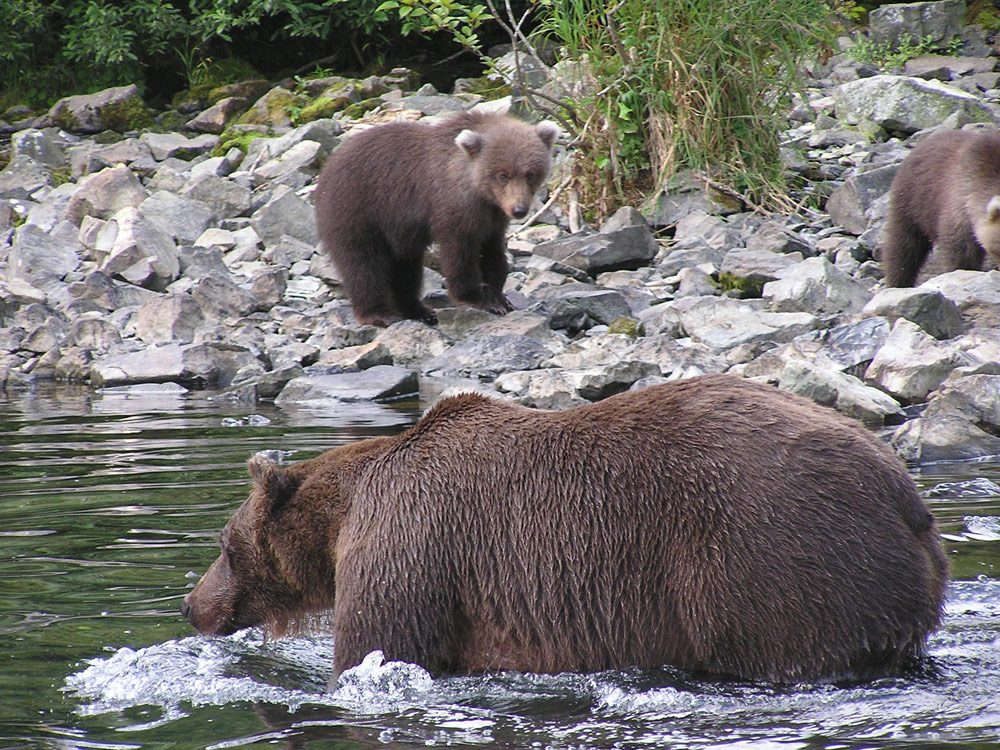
{"x":111,"y":505}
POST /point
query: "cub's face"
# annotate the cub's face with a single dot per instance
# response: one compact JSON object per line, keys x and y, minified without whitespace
{"x":510,"y":163}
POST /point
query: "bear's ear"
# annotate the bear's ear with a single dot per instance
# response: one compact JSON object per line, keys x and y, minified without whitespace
{"x":270,"y":480}
{"x":470,"y":142}
{"x":993,"y":209}
{"x":547,"y":131}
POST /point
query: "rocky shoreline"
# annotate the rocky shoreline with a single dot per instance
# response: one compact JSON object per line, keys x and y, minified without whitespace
{"x":147,"y":259}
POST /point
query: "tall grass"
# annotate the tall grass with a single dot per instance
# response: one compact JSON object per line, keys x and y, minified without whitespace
{"x":682,"y":84}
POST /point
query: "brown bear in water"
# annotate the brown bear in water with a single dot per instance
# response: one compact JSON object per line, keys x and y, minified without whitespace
{"x":388,"y":192}
{"x":714,"y":524}
{"x":946,"y":194}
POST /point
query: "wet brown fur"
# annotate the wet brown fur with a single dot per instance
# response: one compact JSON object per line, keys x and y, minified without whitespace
{"x":387,"y":193}
{"x":714,"y":524}
{"x":946,"y":195}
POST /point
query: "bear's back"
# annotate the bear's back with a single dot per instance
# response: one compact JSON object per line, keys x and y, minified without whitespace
{"x":712,"y":524}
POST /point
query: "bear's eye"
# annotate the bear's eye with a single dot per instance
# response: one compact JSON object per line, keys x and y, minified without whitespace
{"x":503,"y":178}
{"x":530,"y":176}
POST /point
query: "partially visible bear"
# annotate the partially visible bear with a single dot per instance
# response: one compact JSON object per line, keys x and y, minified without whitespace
{"x":387,"y":193}
{"x":714,"y":524}
{"x":946,"y":194}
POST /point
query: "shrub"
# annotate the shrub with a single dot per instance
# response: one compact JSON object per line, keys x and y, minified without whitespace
{"x":686,"y":84}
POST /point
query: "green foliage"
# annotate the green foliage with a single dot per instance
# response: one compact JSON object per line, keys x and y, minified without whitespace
{"x":889,"y":56}
{"x":50,"y":46}
{"x":459,"y":19}
{"x":684,"y":84}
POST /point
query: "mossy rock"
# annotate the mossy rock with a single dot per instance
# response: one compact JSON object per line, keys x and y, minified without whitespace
{"x":276,"y":109}
{"x":194,"y":98}
{"x":333,"y":100}
{"x":171,"y":120}
{"x":251,"y":90}
{"x":748,"y":286}
{"x":360,"y":109}
{"x":628,"y":326}
{"x":128,"y":115}
{"x":236,"y":137}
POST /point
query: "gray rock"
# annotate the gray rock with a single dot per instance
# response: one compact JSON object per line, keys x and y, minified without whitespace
{"x":98,"y":291}
{"x":379,"y":383}
{"x":24,"y":178}
{"x":294,"y":167}
{"x":976,"y":293}
{"x":723,"y":323}
{"x":757,"y":267}
{"x":678,"y":359}
{"x":46,"y":147}
{"x":221,"y":299}
{"x":845,"y":393}
{"x":943,"y":438}
{"x":410,"y":341}
{"x":138,"y":250}
{"x":848,"y":204}
{"x":285,"y":214}
{"x":775,"y":237}
{"x":214,"y":119}
{"x":816,"y":286}
{"x":169,"y":318}
{"x":907,"y":104}
{"x":38,"y":258}
{"x":679,"y":257}
{"x":204,"y":364}
{"x":561,"y":389}
{"x":485,"y":356}
{"x":105,"y":193}
{"x":224,"y":197}
{"x":600,"y":305}
{"x":928,"y":308}
{"x":626,"y":248}
{"x":694,"y":282}
{"x":94,"y":332}
{"x":911,"y":363}
{"x":180,"y":217}
{"x":267,"y":287}
{"x":947,"y":68}
{"x":938,"y":22}
{"x":360,"y":357}
{"x":177,"y":146}
{"x":700,"y":227}
{"x":605,"y":349}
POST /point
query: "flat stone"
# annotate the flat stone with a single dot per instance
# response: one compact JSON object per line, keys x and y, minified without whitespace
{"x":379,"y":383}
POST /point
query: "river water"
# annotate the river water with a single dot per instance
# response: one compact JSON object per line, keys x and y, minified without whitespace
{"x":109,"y":509}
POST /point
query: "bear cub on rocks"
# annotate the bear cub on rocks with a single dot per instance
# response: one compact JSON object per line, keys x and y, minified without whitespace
{"x":946,"y":194}
{"x":714,"y":524}
{"x":388,"y":192}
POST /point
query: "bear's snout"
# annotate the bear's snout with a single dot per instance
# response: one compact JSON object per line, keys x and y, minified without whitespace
{"x":518,"y":212}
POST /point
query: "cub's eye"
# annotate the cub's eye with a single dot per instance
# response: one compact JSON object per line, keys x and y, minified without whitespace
{"x":531,"y":176}
{"x":503,"y":178}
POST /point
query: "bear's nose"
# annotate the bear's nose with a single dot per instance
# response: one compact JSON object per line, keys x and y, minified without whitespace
{"x":519,"y":212}
{"x":186,"y":609}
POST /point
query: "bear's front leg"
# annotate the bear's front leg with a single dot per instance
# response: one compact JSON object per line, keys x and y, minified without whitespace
{"x":463,"y":269}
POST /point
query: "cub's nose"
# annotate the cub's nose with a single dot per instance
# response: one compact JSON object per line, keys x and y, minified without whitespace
{"x":186,"y":609}
{"x":519,"y":212}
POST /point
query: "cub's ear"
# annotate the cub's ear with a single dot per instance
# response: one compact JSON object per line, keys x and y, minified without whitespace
{"x":470,"y":142}
{"x":993,"y":209}
{"x":547,"y":131}
{"x":271,"y":481}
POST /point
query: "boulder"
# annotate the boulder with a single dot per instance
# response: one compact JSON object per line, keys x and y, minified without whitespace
{"x":816,"y":286}
{"x":936,"y":22}
{"x":899,"y":103}
{"x":926,"y":307}
{"x":105,"y":193}
{"x":379,"y":383}
{"x":912,"y":363}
